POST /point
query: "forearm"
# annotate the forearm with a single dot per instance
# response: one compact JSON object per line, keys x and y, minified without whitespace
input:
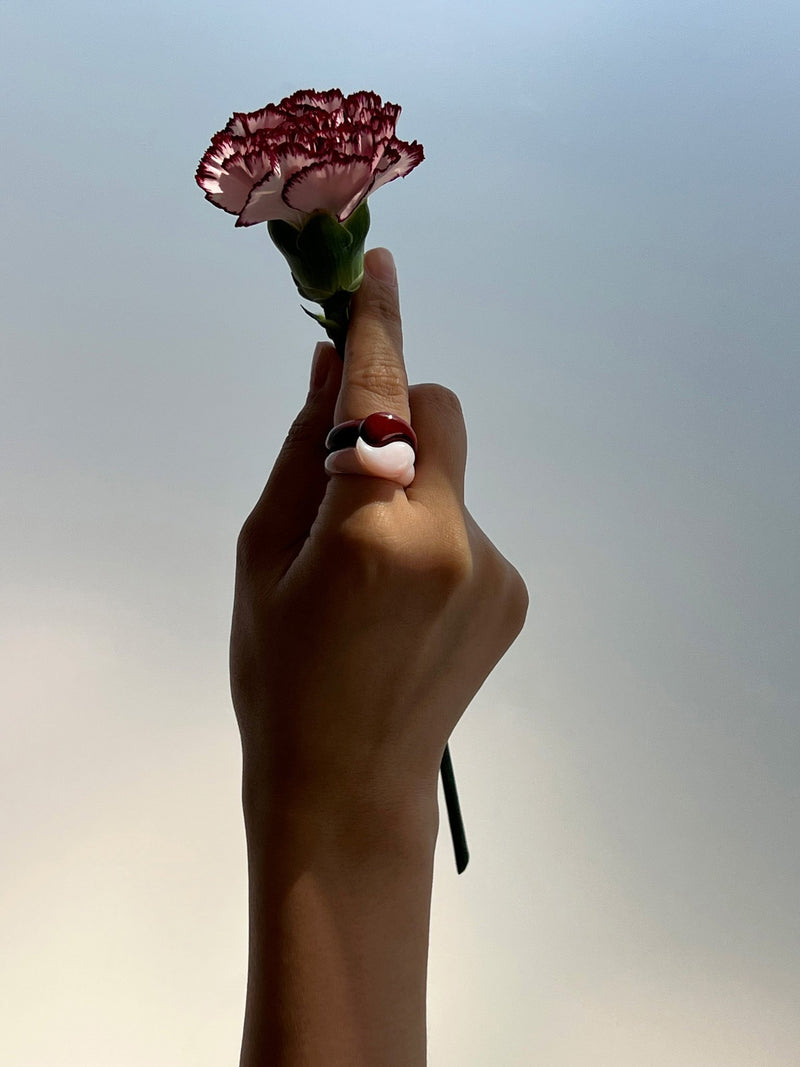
{"x":340,"y":896}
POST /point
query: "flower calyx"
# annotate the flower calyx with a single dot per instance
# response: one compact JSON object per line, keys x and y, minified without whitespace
{"x":326,"y":258}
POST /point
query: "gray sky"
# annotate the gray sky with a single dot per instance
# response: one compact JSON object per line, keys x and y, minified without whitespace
{"x":600,"y":255}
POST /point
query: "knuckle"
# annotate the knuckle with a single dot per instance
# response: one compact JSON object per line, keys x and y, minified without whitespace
{"x":247,"y":545}
{"x":449,"y":566}
{"x":436,"y":405}
{"x":517,"y":601}
{"x":302,"y":432}
{"x":382,"y":377}
{"x":371,"y":550}
{"x":446,"y":401}
{"x":440,"y":565}
{"x":507,"y":589}
{"x":363,"y":544}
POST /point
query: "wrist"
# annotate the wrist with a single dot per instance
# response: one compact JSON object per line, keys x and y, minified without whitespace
{"x":363,"y":818}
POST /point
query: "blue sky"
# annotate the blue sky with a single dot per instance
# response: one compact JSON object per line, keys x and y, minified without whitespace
{"x":600,"y":255}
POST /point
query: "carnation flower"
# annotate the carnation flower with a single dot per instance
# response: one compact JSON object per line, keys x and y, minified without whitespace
{"x":312,"y":152}
{"x":306,"y":166}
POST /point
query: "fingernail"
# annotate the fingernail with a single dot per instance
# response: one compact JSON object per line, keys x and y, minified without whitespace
{"x":319,"y":368}
{"x":380,"y":265}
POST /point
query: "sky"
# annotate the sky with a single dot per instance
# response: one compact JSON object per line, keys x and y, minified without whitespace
{"x":600,"y":255}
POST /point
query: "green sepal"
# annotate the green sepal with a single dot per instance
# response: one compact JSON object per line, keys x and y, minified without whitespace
{"x":326,"y":256}
{"x":326,"y":324}
{"x":335,"y":318}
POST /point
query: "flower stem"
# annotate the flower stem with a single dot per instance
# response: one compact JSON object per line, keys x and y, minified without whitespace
{"x":336,"y":319}
{"x":454,"y":812}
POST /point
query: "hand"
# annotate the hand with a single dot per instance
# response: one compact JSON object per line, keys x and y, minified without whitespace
{"x":365,"y":618}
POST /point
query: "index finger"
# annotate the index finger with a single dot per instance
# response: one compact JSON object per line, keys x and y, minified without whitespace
{"x":374,"y":374}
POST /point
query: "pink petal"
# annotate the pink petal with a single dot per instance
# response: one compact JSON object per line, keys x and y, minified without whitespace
{"x":241,"y":124}
{"x":226,"y":175}
{"x":371,"y":140}
{"x":360,"y":107}
{"x":398,"y":160}
{"x":337,"y":186}
{"x":329,"y":100}
{"x":265,"y":201}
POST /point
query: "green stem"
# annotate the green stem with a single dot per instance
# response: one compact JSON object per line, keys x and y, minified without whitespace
{"x":454,"y":812}
{"x":336,"y":312}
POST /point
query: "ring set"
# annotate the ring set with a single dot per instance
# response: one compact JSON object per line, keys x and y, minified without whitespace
{"x":381,"y":445}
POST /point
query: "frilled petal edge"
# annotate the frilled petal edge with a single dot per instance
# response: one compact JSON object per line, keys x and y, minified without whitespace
{"x":327,"y":100}
{"x":226,"y":173}
{"x":337,"y":186}
{"x":314,"y":151}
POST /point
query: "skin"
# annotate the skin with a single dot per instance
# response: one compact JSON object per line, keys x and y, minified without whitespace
{"x":366,"y":617}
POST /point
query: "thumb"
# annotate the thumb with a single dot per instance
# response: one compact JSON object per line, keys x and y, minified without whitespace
{"x":288,"y":506}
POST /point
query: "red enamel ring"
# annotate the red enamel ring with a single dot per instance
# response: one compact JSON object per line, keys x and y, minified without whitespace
{"x":377,"y":429}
